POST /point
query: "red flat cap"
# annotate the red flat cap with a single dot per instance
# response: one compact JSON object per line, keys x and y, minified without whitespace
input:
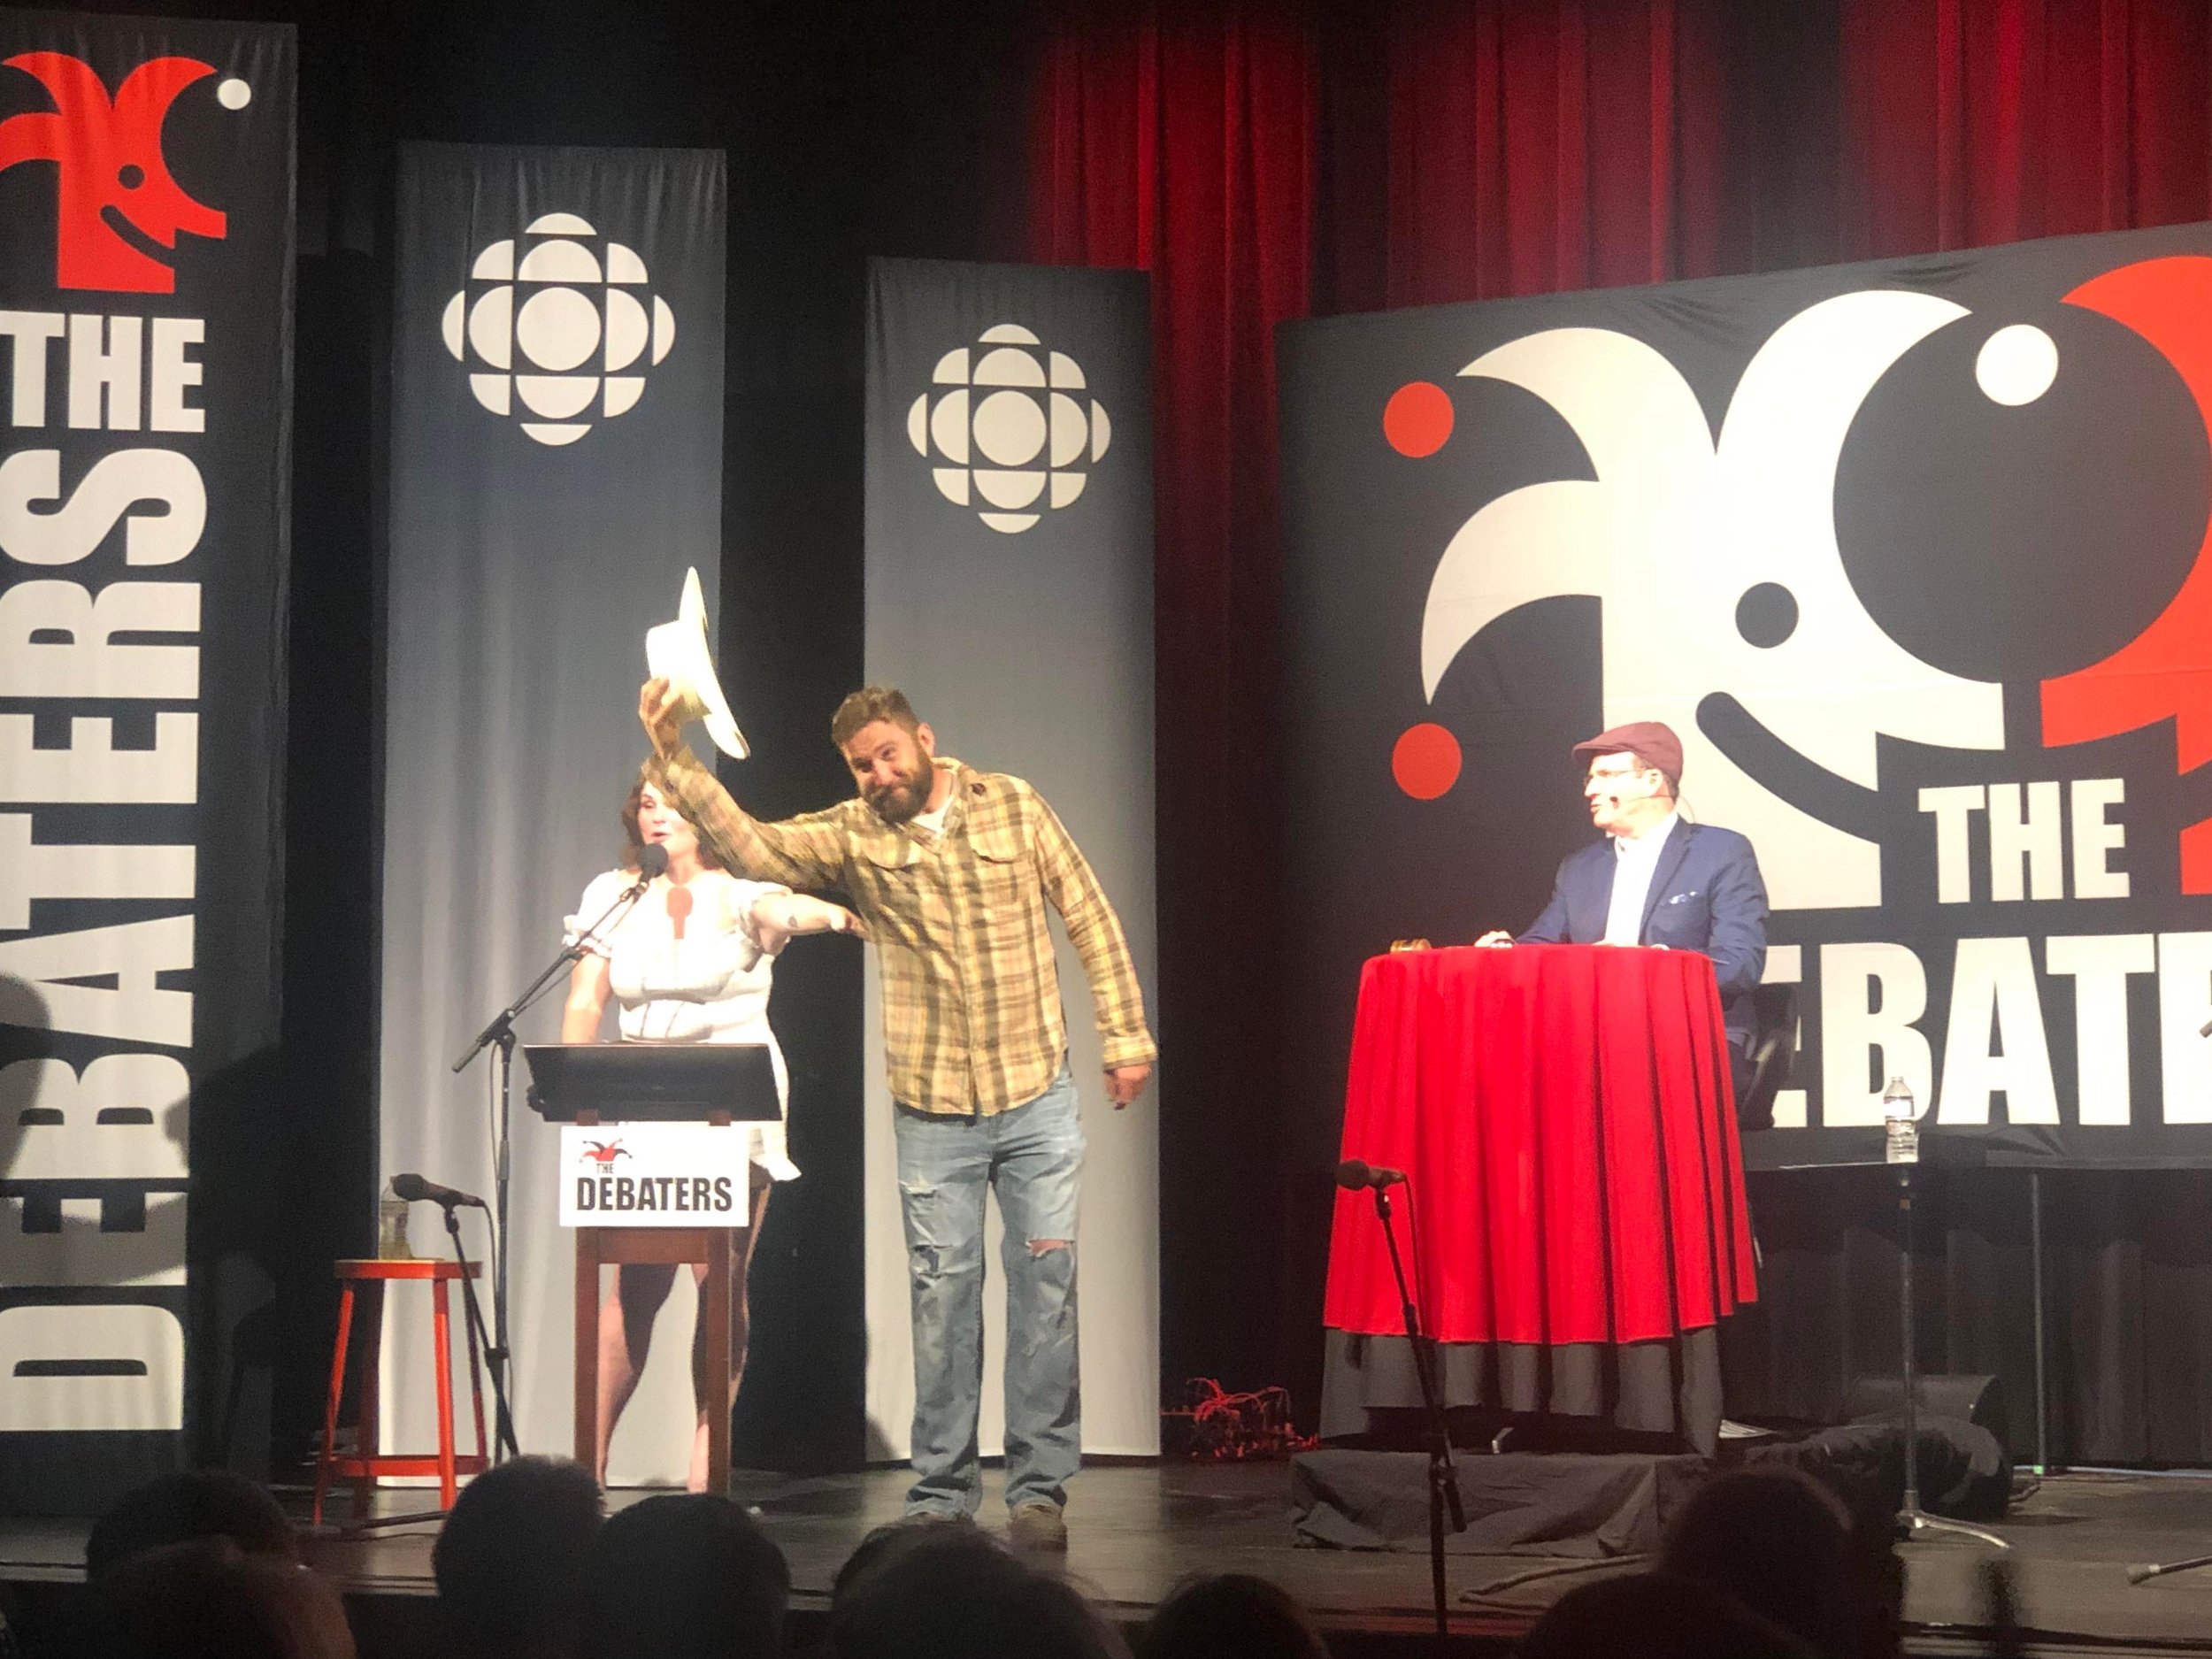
{"x":1653,"y":740}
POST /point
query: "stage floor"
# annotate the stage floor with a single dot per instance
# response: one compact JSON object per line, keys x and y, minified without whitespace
{"x":1135,"y":1530}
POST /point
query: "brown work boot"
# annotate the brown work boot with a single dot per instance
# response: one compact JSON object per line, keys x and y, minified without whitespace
{"x":1039,"y":1527}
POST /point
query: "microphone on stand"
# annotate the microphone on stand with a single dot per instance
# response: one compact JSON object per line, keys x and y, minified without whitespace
{"x":415,"y":1190}
{"x":652,"y":860}
{"x":1354,"y":1175}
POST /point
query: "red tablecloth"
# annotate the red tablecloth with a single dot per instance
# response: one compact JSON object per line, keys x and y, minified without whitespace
{"x":1565,"y":1116}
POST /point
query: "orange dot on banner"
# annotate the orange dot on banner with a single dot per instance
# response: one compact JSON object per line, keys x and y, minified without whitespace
{"x":1417,"y":419}
{"x":1425,"y":762}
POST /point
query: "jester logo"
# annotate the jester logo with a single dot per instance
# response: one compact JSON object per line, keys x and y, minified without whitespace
{"x":1727,"y":605}
{"x":117,"y":203}
{"x":601,"y":1155}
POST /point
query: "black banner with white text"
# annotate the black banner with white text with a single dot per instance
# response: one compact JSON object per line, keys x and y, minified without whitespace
{"x":146,"y":259}
{"x":1913,"y":556}
{"x":556,"y":469}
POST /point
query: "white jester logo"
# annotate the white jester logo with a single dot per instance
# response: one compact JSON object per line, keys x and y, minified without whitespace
{"x":1011,"y":429}
{"x":558,"y":324}
{"x":1717,"y":563}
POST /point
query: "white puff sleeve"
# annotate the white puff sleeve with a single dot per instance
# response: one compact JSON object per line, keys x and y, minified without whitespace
{"x":741,"y":897}
{"x":598,"y":898}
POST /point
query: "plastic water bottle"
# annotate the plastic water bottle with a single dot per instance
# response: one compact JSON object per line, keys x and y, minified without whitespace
{"x":391,"y":1227}
{"x":1900,"y":1142}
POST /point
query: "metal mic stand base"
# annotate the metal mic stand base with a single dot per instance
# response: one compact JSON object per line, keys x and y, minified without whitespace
{"x":366,"y":1525}
{"x":1913,"y":1521}
{"x":2160,"y":1569}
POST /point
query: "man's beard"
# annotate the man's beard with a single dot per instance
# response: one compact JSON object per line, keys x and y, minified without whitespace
{"x":899,"y":802}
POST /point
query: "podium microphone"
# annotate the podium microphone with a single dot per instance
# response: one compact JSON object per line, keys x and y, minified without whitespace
{"x":415,"y":1190}
{"x":1354,"y":1175}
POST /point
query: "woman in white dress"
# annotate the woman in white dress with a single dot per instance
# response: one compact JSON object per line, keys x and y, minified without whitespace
{"x":690,"y":961}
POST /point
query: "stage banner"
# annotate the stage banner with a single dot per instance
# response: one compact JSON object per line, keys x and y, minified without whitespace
{"x":1913,"y":556}
{"x":555,"y":468}
{"x":146,"y":243}
{"x":1010,"y":593}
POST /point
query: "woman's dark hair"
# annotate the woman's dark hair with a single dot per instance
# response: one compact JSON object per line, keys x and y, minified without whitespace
{"x":633,"y":842}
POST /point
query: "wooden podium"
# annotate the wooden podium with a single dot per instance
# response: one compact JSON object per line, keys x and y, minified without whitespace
{"x":716,"y":1083}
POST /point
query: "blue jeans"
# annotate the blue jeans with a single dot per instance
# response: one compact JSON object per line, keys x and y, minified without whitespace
{"x":1033,"y":1157}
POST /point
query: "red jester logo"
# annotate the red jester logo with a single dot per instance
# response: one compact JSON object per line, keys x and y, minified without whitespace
{"x":116,"y":199}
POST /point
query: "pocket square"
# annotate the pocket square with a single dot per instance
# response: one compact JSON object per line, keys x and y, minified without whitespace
{"x":1682,"y":897}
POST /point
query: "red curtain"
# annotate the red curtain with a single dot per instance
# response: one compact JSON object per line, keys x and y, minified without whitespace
{"x":1186,"y":149}
{"x":1266,"y":161}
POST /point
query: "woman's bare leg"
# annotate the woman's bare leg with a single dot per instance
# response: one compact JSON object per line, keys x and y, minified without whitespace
{"x":625,"y":1333}
{"x":740,"y":1326}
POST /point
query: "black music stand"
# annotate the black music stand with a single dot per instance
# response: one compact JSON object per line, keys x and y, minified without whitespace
{"x":655,"y":1082}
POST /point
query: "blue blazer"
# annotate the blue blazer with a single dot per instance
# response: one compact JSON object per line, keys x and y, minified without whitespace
{"x":1706,"y":895}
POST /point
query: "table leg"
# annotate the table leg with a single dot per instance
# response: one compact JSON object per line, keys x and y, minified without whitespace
{"x":586,"y":1389}
{"x":717,"y":1309}
{"x":330,"y":1409}
{"x":441,"y":1351}
{"x":372,"y":1388}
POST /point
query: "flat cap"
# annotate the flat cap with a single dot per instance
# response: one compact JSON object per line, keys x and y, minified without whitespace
{"x":1653,"y":740}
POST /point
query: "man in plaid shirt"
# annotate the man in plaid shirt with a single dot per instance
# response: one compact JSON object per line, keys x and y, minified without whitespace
{"x":950,"y":870}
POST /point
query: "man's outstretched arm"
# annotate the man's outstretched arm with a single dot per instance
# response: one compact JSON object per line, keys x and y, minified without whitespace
{"x":801,"y":852}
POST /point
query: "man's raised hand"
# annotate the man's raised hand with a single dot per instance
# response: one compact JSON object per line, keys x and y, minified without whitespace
{"x":657,"y":705}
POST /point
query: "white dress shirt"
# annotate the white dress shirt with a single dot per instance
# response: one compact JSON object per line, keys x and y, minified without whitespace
{"x":1634,"y":863}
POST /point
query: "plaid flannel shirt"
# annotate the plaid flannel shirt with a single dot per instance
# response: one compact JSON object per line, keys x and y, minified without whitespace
{"x":972,"y":1016}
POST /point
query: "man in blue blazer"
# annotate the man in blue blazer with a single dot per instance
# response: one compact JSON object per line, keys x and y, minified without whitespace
{"x":1659,"y":880}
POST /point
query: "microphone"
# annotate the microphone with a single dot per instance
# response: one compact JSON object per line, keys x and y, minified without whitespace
{"x":1356,"y":1176}
{"x":415,"y":1190}
{"x":652,"y":860}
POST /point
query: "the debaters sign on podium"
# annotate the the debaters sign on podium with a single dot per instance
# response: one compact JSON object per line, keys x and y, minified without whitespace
{"x":654,"y":1175}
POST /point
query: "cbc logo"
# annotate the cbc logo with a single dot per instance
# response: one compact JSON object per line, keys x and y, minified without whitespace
{"x":557,"y":327}
{"x":1009,"y":428}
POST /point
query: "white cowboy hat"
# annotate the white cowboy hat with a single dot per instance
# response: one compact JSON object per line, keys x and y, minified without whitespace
{"x":677,"y":652}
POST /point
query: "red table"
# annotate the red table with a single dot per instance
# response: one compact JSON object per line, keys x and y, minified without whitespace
{"x":1566,"y":1115}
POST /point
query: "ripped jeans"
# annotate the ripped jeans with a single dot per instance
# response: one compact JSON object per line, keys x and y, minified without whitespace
{"x":1033,"y":1157}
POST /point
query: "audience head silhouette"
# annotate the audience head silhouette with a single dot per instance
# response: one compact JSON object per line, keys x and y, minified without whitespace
{"x":1777,"y":1541}
{"x":960,"y":1596}
{"x":1231,"y":1615}
{"x":210,"y":1599}
{"x":176,"y":1508}
{"x":1656,"y":1616}
{"x":513,"y":1561}
{"x":685,"y":1576}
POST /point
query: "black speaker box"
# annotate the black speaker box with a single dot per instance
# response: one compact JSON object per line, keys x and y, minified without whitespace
{"x":1978,"y":1400}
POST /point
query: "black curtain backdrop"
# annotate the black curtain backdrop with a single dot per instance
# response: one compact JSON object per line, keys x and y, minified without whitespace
{"x":849,"y":131}
{"x":903,"y":127}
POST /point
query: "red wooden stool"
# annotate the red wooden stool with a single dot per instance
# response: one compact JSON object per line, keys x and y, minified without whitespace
{"x":370,"y":1279}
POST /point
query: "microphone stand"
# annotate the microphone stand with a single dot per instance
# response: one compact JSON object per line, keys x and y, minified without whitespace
{"x":1912,"y":1520}
{"x":2148,"y":1571}
{"x":1443,"y":1478}
{"x":501,"y":1032}
{"x":472,"y":1311}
